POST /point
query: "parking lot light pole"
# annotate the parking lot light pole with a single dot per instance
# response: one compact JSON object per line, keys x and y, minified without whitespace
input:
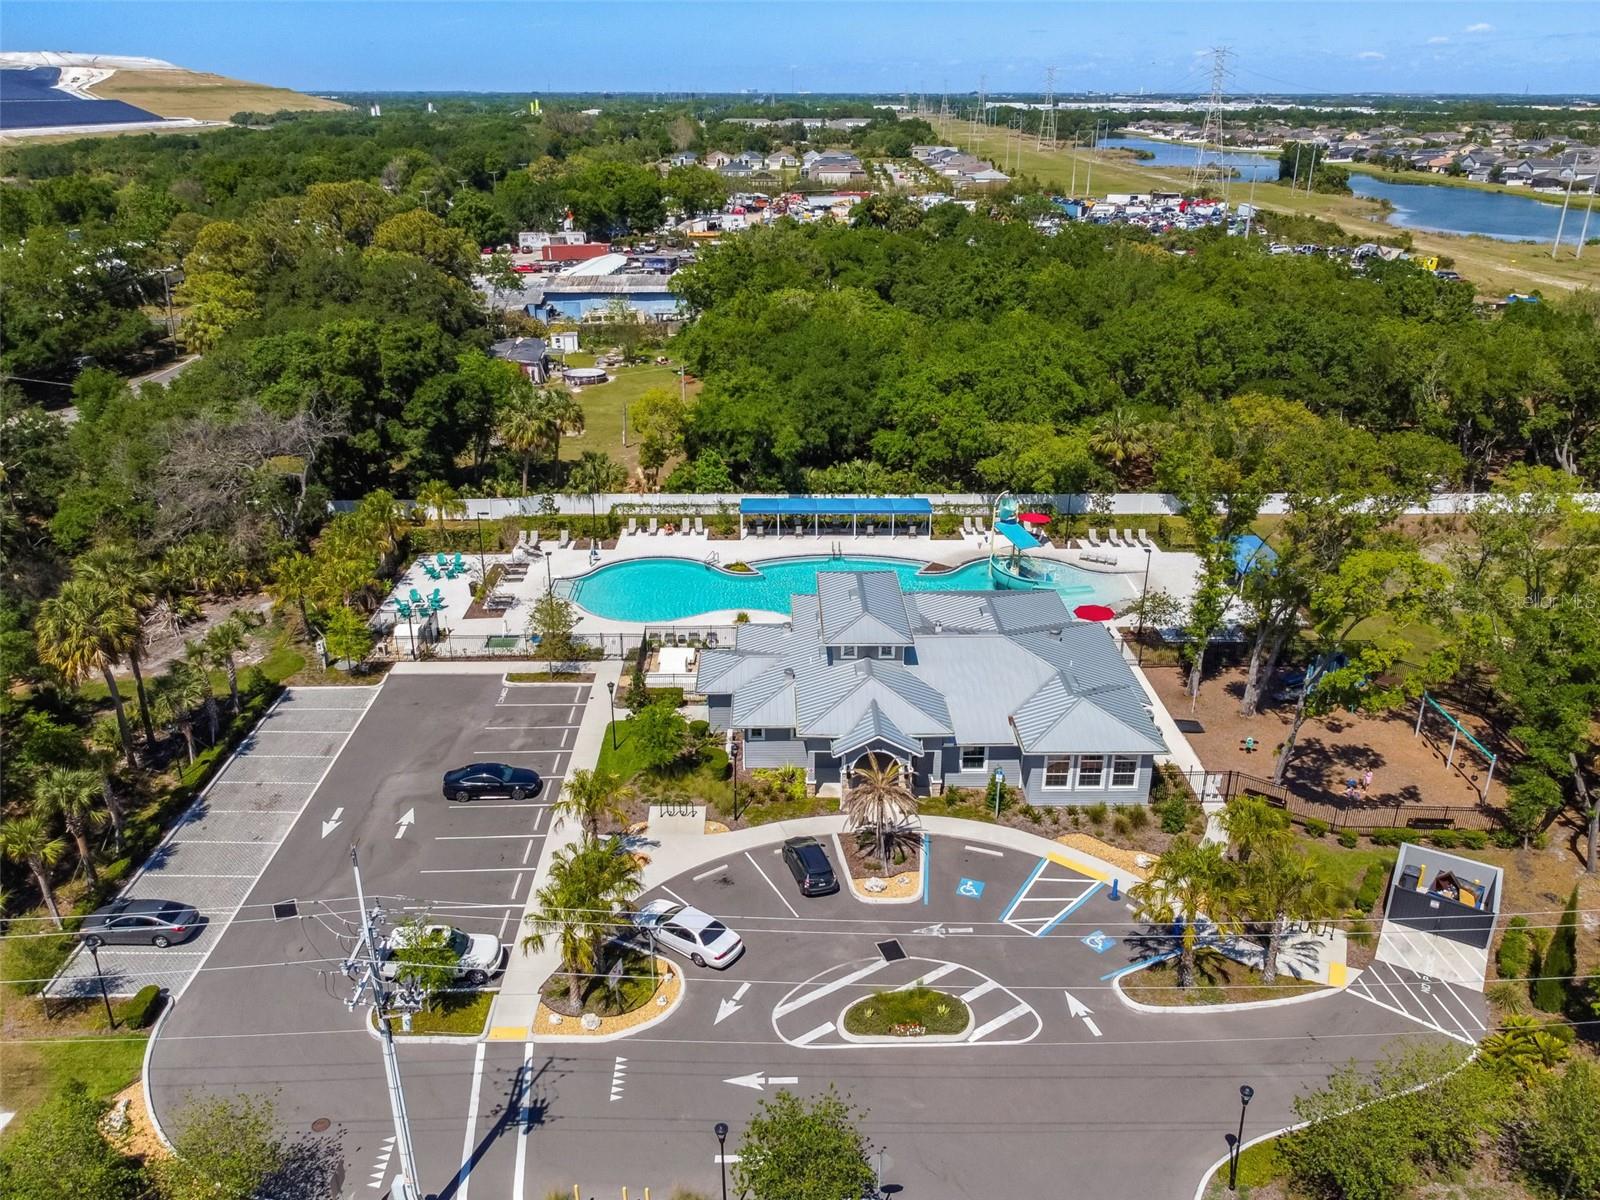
{"x":1245,"y":1094}
{"x":1144,"y":597}
{"x":721,"y":1130}
{"x":611,"y":690}
{"x":483,"y":569}
{"x":94,"y":953}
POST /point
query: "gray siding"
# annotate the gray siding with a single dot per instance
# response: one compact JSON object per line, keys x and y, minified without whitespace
{"x":1035,"y":791}
{"x":1004,"y":758}
{"x":719,"y":710}
{"x":775,"y":754}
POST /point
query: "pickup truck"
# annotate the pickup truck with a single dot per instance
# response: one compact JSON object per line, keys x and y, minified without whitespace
{"x":481,"y":956}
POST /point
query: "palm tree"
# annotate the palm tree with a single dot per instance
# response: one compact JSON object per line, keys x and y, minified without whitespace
{"x":1122,"y":440}
{"x":562,"y":414}
{"x":1278,"y":885}
{"x":29,"y":840}
{"x":595,"y":473}
{"x":179,"y":695}
{"x":132,"y":581}
{"x":196,"y":665}
{"x":593,"y":797}
{"x":103,"y":757}
{"x":384,"y":512}
{"x":442,"y":499}
{"x":222,"y":643}
{"x":590,"y":886}
{"x":1252,"y":824}
{"x":1188,"y":882}
{"x":297,"y":580}
{"x":86,"y":628}
{"x":522,"y":427}
{"x":70,"y":793}
{"x":878,"y":799}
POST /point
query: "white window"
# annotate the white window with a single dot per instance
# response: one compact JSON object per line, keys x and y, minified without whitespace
{"x":974,"y":758}
{"x":848,"y":651}
{"x":887,"y":651}
{"x":1091,"y":771}
{"x":1124,"y":770}
{"x":755,"y":735}
{"x":1058,"y":771}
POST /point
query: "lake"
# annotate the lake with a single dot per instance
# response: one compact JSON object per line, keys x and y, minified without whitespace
{"x":1443,"y":209}
{"x":1260,"y":167}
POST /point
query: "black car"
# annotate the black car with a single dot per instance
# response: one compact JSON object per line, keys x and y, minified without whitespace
{"x":480,"y":781}
{"x":140,"y":923}
{"x":808,"y":863}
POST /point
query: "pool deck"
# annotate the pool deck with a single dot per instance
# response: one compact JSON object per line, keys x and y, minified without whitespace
{"x":1172,"y":571}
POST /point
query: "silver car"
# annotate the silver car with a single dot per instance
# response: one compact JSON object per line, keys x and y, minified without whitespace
{"x":698,"y":936}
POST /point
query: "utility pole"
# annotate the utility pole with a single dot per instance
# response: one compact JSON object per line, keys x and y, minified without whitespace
{"x":1561,"y":225}
{"x":1578,"y":253}
{"x":1211,"y":129}
{"x":1047,"y":125}
{"x":362,"y":968}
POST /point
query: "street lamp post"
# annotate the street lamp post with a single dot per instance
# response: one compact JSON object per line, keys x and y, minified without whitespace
{"x":483,"y":570}
{"x":94,"y":953}
{"x":721,"y":1130}
{"x":1144,"y":596}
{"x":999,"y":790}
{"x":611,"y":690}
{"x":1246,"y":1092}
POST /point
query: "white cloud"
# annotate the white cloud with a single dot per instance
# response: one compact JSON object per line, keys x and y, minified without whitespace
{"x":1370,"y":55}
{"x":1480,"y":27}
{"x":1441,"y":40}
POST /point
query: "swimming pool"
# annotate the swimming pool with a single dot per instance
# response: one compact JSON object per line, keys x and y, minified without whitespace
{"x":671,"y":589}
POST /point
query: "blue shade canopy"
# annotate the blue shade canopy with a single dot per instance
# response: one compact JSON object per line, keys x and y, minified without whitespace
{"x":1249,"y":552}
{"x":1014,"y":533}
{"x":835,"y":506}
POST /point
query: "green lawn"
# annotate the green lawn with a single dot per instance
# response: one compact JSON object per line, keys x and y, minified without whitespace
{"x":702,"y":782}
{"x":460,"y":1013}
{"x":603,"y":412}
{"x":35,"y":1069}
{"x":1343,"y":868}
{"x":1218,"y":980}
{"x":283,"y":661}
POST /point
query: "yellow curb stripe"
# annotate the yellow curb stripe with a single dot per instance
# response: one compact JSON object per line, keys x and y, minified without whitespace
{"x":1073,"y":865}
{"x":508,"y":1033}
{"x":1338,"y":974}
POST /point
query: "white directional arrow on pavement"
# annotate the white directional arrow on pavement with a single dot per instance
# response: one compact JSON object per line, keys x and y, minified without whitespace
{"x":332,"y":822}
{"x":1077,"y":1008}
{"x":760,"y":1079}
{"x":404,"y":822}
{"x":930,"y":931}
{"x":727,"y":1007}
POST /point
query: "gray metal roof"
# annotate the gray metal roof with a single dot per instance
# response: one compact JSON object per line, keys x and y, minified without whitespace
{"x":520,"y":350}
{"x":873,"y":726}
{"x":863,"y":608}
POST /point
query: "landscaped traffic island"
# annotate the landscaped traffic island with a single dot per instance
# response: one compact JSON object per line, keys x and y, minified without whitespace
{"x":917,"y":1012}
{"x":1218,"y":980}
{"x":633,"y":993}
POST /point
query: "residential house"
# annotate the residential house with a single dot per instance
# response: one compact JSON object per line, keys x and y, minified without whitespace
{"x":716,"y":158}
{"x":684,"y":158}
{"x":529,"y":353}
{"x":954,"y":686}
{"x":781,"y":161}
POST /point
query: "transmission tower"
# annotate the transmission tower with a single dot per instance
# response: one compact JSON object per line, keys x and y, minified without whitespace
{"x":944,"y":104}
{"x":1047,"y":123}
{"x":1211,"y":129}
{"x":979,"y":115}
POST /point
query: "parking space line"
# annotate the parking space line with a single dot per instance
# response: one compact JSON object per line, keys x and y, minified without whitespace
{"x":675,"y":895}
{"x":983,"y":989}
{"x":519,"y":1177}
{"x":984,"y":850}
{"x":534,"y":704}
{"x":466,"y":870}
{"x":1005,"y":1018}
{"x":927,"y":865}
{"x":1070,"y":909}
{"x":474,"y":806}
{"x":1138,"y":966}
{"x":501,"y":750}
{"x":772,"y":885}
{"x":516,"y":885}
{"x":922,"y":980}
{"x":479,"y":837}
{"x":1465,"y":1007}
{"x":1397,"y":1003}
{"x":463,"y":1178}
{"x":499,"y":728}
{"x":827,"y":989}
{"x":1023,"y":890}
{"x":538,"y":817}
{"x":712,"y":871}
{"x":805,"y":1039}
{"x":1438,"y":1002}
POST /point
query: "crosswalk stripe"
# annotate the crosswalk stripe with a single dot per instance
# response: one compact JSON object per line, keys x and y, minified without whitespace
{"x":805,"y":1039}
{"x":827,"y":989}
{"x":930,"y":977}
{"x":1005,"y":1018}
{"x":1361,"y":990}
{"x":983,"y":989}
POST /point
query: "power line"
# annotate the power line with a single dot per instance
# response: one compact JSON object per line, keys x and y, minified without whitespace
{"x":1211,"y":128}
{"x":1047,"y":123}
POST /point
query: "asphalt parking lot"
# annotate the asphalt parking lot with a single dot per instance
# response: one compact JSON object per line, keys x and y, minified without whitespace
{"x":1059,"y":1089}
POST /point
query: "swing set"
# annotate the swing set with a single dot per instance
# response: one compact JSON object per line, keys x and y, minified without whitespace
{"x":1458,"y":732}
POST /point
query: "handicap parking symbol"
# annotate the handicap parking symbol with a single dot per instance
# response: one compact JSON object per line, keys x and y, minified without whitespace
{"x":971,"y":888}
{"x":1099,"y":942}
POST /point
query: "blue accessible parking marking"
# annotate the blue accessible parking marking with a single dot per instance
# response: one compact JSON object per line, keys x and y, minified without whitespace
{"x":971,"y":888}
{"x":1099,"y":942}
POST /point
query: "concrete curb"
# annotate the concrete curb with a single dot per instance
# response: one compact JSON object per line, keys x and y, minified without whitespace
{"x":662,"y":1015}
{"x":1235,"y":1006}
{"x":936,"y":1039}
{"x":144,"y":1077}
{"x":866,"y":899}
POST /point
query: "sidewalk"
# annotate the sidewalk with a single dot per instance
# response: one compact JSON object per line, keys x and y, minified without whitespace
{"x":511,"y":1017}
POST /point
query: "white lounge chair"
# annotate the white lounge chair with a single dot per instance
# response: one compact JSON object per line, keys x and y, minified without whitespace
{"x":633,"y":526}
{"x":761,"y":529}
{"x":966,"y":526}
{"x":1145,"y":540}
{"x":651,"y":532}
{"x":564,"y":538}
{"x":1111,"y":537}
{"x":700,"y":526}
{"x":1092,"y":538}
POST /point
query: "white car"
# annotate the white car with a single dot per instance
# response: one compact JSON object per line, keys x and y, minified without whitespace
{"x":698,"y":936}
{"x":481,"y":956}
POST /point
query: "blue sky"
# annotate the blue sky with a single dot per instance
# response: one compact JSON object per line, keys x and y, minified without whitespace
{"x":830,"y":45}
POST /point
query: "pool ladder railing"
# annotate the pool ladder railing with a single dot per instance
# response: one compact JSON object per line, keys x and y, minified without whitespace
{"x":713,"y":559}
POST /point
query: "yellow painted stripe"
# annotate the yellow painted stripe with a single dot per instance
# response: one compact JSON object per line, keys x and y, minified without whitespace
{"x":1073,"y":865}
{"x":1338,"y":974}
{"x":508,"y":1033}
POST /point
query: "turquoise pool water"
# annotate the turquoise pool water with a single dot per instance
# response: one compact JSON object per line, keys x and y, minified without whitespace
{"x":672,"y":589}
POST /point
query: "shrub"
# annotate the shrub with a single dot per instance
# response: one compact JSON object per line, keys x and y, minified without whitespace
{"x":1097,"y":814}
{"x":1474,"y":839}
{"x":1445,"y":839}
{"x":25,"y":960}
{"x":141,"y":1011}
{"x":1030,"y":813}
{"x":1515,"y":955}
{"x":699,"y":729}
{"x":1173,"y":814}
{"x":1558,"y":964}
{"x":1348,"y":838}
{"x":1316,"y":828}
{"x":779,"y":783}
{"x":1371,"y":887}
{"x":1054,"y":814}
{"x":1138,"y":816}
{"x":667,"y":695}
{"x":1122,"y":824}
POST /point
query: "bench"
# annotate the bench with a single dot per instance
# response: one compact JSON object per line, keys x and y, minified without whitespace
{"x":1430,"y":823}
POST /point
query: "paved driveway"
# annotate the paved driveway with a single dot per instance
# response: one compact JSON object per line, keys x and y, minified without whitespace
{"x":222,"y":844}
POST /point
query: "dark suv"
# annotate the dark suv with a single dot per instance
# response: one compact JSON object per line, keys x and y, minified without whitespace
{"x":808,"y":863}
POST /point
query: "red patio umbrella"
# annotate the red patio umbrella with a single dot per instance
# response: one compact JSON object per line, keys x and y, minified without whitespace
{"x":1093,"y":612}
{"x":1035,"y":518}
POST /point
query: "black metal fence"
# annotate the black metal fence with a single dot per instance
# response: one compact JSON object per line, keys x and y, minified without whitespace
{"x":1362,"y":813}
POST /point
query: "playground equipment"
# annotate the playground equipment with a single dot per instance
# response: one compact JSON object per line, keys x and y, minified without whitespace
{"x":1458,"y":731}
